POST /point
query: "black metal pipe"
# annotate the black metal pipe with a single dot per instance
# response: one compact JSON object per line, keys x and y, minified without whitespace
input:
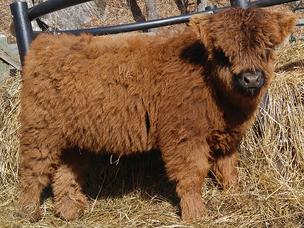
{"x":54,"y":5}
{"x":23,"y":27}
{"x":51,"y":6}
{"x":240,"y":3}
{"x":135,"y":26}
{"x":299,"y":8}
{"x":160,"y":22}
{"x":266,"y":3}
{"x":300,"y":22}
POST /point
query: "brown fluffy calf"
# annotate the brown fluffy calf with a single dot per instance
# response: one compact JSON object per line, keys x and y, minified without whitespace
{"x":191,"y":95}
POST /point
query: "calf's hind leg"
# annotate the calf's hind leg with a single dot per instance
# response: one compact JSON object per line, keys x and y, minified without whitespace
{"x":67,"y":185}
{"x":39,"y":156}
{"x":188,"y":165}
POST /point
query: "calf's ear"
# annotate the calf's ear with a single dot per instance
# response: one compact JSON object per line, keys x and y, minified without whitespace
{"x":284,"y":23}
{"x":199,"y":25}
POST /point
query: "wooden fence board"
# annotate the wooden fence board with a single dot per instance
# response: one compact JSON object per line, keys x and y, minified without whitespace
{"x":9,"y":57}
{"x":4,"y":68}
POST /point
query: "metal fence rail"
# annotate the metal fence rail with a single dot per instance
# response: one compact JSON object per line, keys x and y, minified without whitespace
{"x":51,"y":6}
{"x":135,"y":26}
{"x":22,"y":17}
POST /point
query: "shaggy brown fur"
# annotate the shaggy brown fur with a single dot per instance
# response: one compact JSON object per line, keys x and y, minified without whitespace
{"x":133,"y":93}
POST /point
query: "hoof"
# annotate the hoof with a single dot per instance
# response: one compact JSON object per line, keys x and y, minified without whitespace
{"x":231,"y":184}
{"x":70,"y":209}
{"x":193,"y":210}
{"x":32,"y":212}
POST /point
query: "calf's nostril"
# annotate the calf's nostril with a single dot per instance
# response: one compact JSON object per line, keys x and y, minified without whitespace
{"x":247,"y":80}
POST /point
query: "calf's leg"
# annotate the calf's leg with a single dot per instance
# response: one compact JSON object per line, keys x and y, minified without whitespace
{"x":188,"y":165}
{"x":39,"y":156}
{"x":70,"y":202}
{"x":225,"y":170}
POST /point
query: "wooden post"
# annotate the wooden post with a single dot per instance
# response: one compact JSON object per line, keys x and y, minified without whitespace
{"x":201,"y":5}
{"x":152,"y":12}
{"x":4,"y":67}
{"x":9,"y":57}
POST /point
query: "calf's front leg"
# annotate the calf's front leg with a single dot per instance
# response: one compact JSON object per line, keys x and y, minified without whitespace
{"x":187,"y":163}
{"x":224,"y":168}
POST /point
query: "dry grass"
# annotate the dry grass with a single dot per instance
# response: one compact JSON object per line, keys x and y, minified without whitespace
{"x":135,"y":193}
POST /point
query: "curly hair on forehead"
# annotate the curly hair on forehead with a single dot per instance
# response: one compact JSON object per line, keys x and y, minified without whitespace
{"x":188,"y":95}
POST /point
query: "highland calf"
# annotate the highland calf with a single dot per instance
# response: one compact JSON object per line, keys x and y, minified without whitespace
{"x":192,"y":95}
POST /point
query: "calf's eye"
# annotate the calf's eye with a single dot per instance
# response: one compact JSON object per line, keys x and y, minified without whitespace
{"x":221,"y":58}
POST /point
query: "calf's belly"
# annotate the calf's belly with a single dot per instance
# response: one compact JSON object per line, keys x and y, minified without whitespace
{"x":118,"y":132}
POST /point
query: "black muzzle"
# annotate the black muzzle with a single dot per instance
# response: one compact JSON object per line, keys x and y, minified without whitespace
{"x":249,"y":83}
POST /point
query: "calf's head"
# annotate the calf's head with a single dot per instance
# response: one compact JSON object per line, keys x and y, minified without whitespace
{"x":240,"y":45}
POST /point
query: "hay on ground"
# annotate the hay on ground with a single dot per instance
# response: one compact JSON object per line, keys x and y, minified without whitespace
{"x":135,"y":192}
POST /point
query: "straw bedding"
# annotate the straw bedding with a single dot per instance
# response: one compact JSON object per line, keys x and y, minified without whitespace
{"x":271,"y":170}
